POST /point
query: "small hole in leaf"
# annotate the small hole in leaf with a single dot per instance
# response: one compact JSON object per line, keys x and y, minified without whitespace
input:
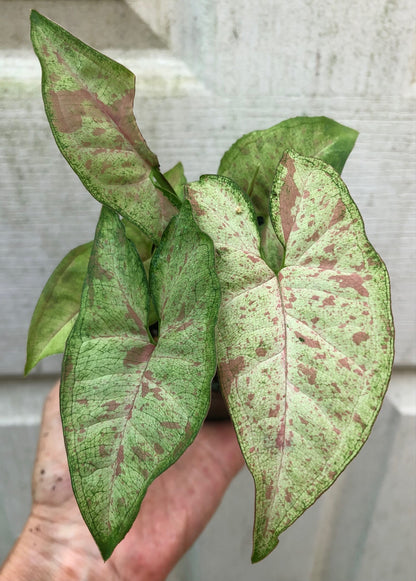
{"x":301,"y":339}
{"x":260,"y":220}
{"x":154,"y":330}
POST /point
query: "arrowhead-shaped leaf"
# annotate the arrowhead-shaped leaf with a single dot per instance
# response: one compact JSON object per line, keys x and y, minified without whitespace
{"x":89,"y":104}
{"x":57,"y":308}
{"x":305,"y":357}
{"x":130,"y":406}
{"x":252,"y":161}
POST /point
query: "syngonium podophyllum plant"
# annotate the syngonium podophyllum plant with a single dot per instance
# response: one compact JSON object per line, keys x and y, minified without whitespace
{"x":261,"y":276}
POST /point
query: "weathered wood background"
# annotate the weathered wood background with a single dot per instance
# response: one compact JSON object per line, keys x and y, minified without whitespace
{"x":207,"y":72}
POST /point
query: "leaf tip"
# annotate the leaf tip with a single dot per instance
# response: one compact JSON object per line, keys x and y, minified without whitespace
{"x":35,"y":15}
{"x":28,"y":368}
{"x":37,"y":19}
{"x":261,"y":550}
{"x":31,"y":361}
{"x":107,"y":547}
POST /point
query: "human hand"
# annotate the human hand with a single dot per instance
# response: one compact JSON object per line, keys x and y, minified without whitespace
{"x":56,"y":543}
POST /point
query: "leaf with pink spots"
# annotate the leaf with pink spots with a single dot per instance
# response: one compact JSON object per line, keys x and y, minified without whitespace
{"x":88,"y":100}
{"x":305,"y":356}
{"x":130,"y":403}
{"x":252,"y":161}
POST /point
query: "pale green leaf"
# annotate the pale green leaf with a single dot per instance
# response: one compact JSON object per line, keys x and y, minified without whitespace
{"x":252,"y":161}
{"x":57,"y":307}
{"x":304,"y":357}
{"x":89,"y":104}
{"x":130,"y":405}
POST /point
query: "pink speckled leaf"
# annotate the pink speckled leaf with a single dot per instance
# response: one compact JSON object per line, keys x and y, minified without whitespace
{"x":252,"y":161}
{"x":89,"y":104}
{"x":305,"y":356}
{"x":130,"y":404}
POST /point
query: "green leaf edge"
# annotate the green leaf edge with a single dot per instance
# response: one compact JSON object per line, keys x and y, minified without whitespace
{"x":33,"y":354}
{"x":251,"y":137}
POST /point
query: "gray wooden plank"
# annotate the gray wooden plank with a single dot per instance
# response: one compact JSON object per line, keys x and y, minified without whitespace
{"x":115,"y":24}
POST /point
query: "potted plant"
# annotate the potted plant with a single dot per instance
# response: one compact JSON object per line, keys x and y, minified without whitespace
{"x":260,"y":277}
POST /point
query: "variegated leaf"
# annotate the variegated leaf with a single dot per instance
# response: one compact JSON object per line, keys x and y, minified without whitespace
{"x":89,"y":104}
{"x":131,"y":405}
{"x":252,"y":161}
{"x":305,"y":357}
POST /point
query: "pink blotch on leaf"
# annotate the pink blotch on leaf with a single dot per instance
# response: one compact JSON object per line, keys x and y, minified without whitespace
{"x":288,"y":198}
{"x":353,"y":281}
{"x":345,"y":363}
{"x":327,"y":264}
{"x":358,"y":419}
{"x":309,"y":373}
{"x":338,"y":213}
{"x":261,"y":351}
{"x":329,"y":301}
{"x":360,"y":337}
{"x":110,"y":405}
{"x":158,"y":448}
{"x":138,"y":355}
{"x":120,"y":460}
{"x":308,"y":341}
